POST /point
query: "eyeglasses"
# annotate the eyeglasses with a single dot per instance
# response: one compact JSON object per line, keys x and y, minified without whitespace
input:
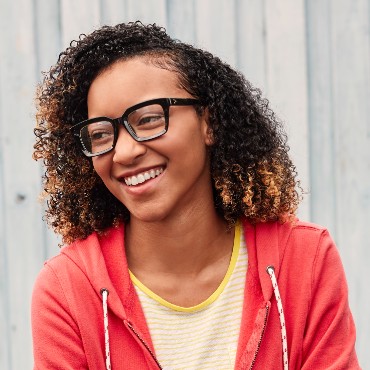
{"x":144,"y":121}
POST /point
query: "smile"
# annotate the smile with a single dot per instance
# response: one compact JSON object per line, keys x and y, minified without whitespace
{"x":142,"y":177}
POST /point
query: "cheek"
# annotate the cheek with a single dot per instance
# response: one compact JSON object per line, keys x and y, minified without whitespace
{"x":190,"y":153}
{"x":101,"y":166}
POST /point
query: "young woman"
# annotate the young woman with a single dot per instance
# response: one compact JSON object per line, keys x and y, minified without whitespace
{"x":168,"y":176}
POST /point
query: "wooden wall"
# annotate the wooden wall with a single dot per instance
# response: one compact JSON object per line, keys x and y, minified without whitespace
{"x":310,"y":58}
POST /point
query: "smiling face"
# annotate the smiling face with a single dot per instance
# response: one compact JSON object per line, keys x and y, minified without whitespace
{"x":165,"y":177}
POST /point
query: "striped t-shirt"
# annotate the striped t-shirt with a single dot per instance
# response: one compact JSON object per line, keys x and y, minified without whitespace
{"x":204,"y":336}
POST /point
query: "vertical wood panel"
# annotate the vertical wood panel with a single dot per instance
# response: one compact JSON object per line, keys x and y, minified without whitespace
{"x":180,"y":20}
{"x":147,"y":11}
{"x":287,"y":79}
{"x":78,"y":17}
{"x":22,"y":229}
{"x":4,"y":292}
{"x":113,"y":12}
{"x":251,"y":41}
{"x":4,"y":274}
{"x":48,"y":45}
{"x":5,"y":358}
{"x":321,"y":130}
{"x":351,"y":110}
{"x":215,"y":28}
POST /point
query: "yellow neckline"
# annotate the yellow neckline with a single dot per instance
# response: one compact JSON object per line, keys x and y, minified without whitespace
{"x":212,"y":297}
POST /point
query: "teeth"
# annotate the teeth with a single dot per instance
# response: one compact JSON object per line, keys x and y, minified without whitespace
{"x":142,"y":177}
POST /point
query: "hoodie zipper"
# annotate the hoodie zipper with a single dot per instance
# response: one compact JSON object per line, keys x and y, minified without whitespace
{"x":260,"y":340}
{"x":138,"y":336}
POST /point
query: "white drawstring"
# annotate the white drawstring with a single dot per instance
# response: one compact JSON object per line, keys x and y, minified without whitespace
{"x":104,"y":292}
{"x":271,"y":271}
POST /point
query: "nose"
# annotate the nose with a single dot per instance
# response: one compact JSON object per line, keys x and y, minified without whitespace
{"x":127,"y":149}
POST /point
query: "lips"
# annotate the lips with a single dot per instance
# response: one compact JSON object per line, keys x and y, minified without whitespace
{"x":142,"y":177}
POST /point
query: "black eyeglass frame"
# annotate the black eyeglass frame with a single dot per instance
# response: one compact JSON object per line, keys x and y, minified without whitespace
{"x":165,"y":103}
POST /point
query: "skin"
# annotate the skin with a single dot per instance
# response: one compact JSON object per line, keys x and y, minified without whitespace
{"x":175,"y":237}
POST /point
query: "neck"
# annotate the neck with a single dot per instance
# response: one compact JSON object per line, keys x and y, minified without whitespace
{"x":183,"y":245}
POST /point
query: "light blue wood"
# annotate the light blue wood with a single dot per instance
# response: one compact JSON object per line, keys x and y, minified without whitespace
{"x":311,"y":60}
{"x":215,"y":28}
{"x":351,"y":121}
{"x":22,"y":228}
{"x":148,"y":11}
{"x":320,"y":85}
{"x":250,"y":25}
{"x":48,"y":41}
{"x":286,"y":77}
{"x":4,"y":274}
{"x":5,"y":347}
{"x":181,"y":20}
{"x":48,"y":36}
{"x":113,"y":12}
{"x":78,"y":17}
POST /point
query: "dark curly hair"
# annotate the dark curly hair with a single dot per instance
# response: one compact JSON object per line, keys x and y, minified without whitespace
{"x":252,"y":173}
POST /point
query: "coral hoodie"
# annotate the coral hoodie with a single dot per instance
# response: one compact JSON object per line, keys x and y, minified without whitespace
{"x":67,"y":305}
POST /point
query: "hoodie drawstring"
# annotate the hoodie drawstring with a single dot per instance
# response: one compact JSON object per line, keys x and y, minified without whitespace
{"x":104,"y":292}
{"x":271,"y":271}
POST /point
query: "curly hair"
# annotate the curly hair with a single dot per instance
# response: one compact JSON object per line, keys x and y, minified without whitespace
{"x":252,"y":173}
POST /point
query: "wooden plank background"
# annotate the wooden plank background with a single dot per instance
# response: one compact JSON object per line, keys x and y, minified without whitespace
{"x":311,"y":60}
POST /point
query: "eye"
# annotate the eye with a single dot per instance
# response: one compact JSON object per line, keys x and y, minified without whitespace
{"x":150,"y":120}
{"x":99,"y":134}
{"x":99,"y":130}
{"x":148,"y":117}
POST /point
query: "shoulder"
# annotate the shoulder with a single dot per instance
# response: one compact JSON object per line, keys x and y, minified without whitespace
{"x":62,"y":278}
{"x":292,"y":245}
{"x":306,"y":240}
{"x":310,"y":235}
{"x":309,"y":250}
{"x":83,"y":265}
{"x":83,"y":252}
{"x":69,"y":261}
{"x":297,"y":234}
{"x":306,"y":233}
{"x":284,"y":229}
{"x":304,"y":228}
{"x":300,"y":227}
{"x":300,"y":235}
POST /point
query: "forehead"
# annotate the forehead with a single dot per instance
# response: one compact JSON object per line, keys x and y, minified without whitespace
{"x":129,"y":82}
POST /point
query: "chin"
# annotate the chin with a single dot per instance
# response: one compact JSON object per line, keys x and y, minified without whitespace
{"x":153,"y":216}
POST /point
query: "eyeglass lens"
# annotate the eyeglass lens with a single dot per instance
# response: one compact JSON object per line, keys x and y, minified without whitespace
{"x":145,"y":122}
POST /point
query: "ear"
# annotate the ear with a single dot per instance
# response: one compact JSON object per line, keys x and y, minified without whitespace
{"x":206,"y":129}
